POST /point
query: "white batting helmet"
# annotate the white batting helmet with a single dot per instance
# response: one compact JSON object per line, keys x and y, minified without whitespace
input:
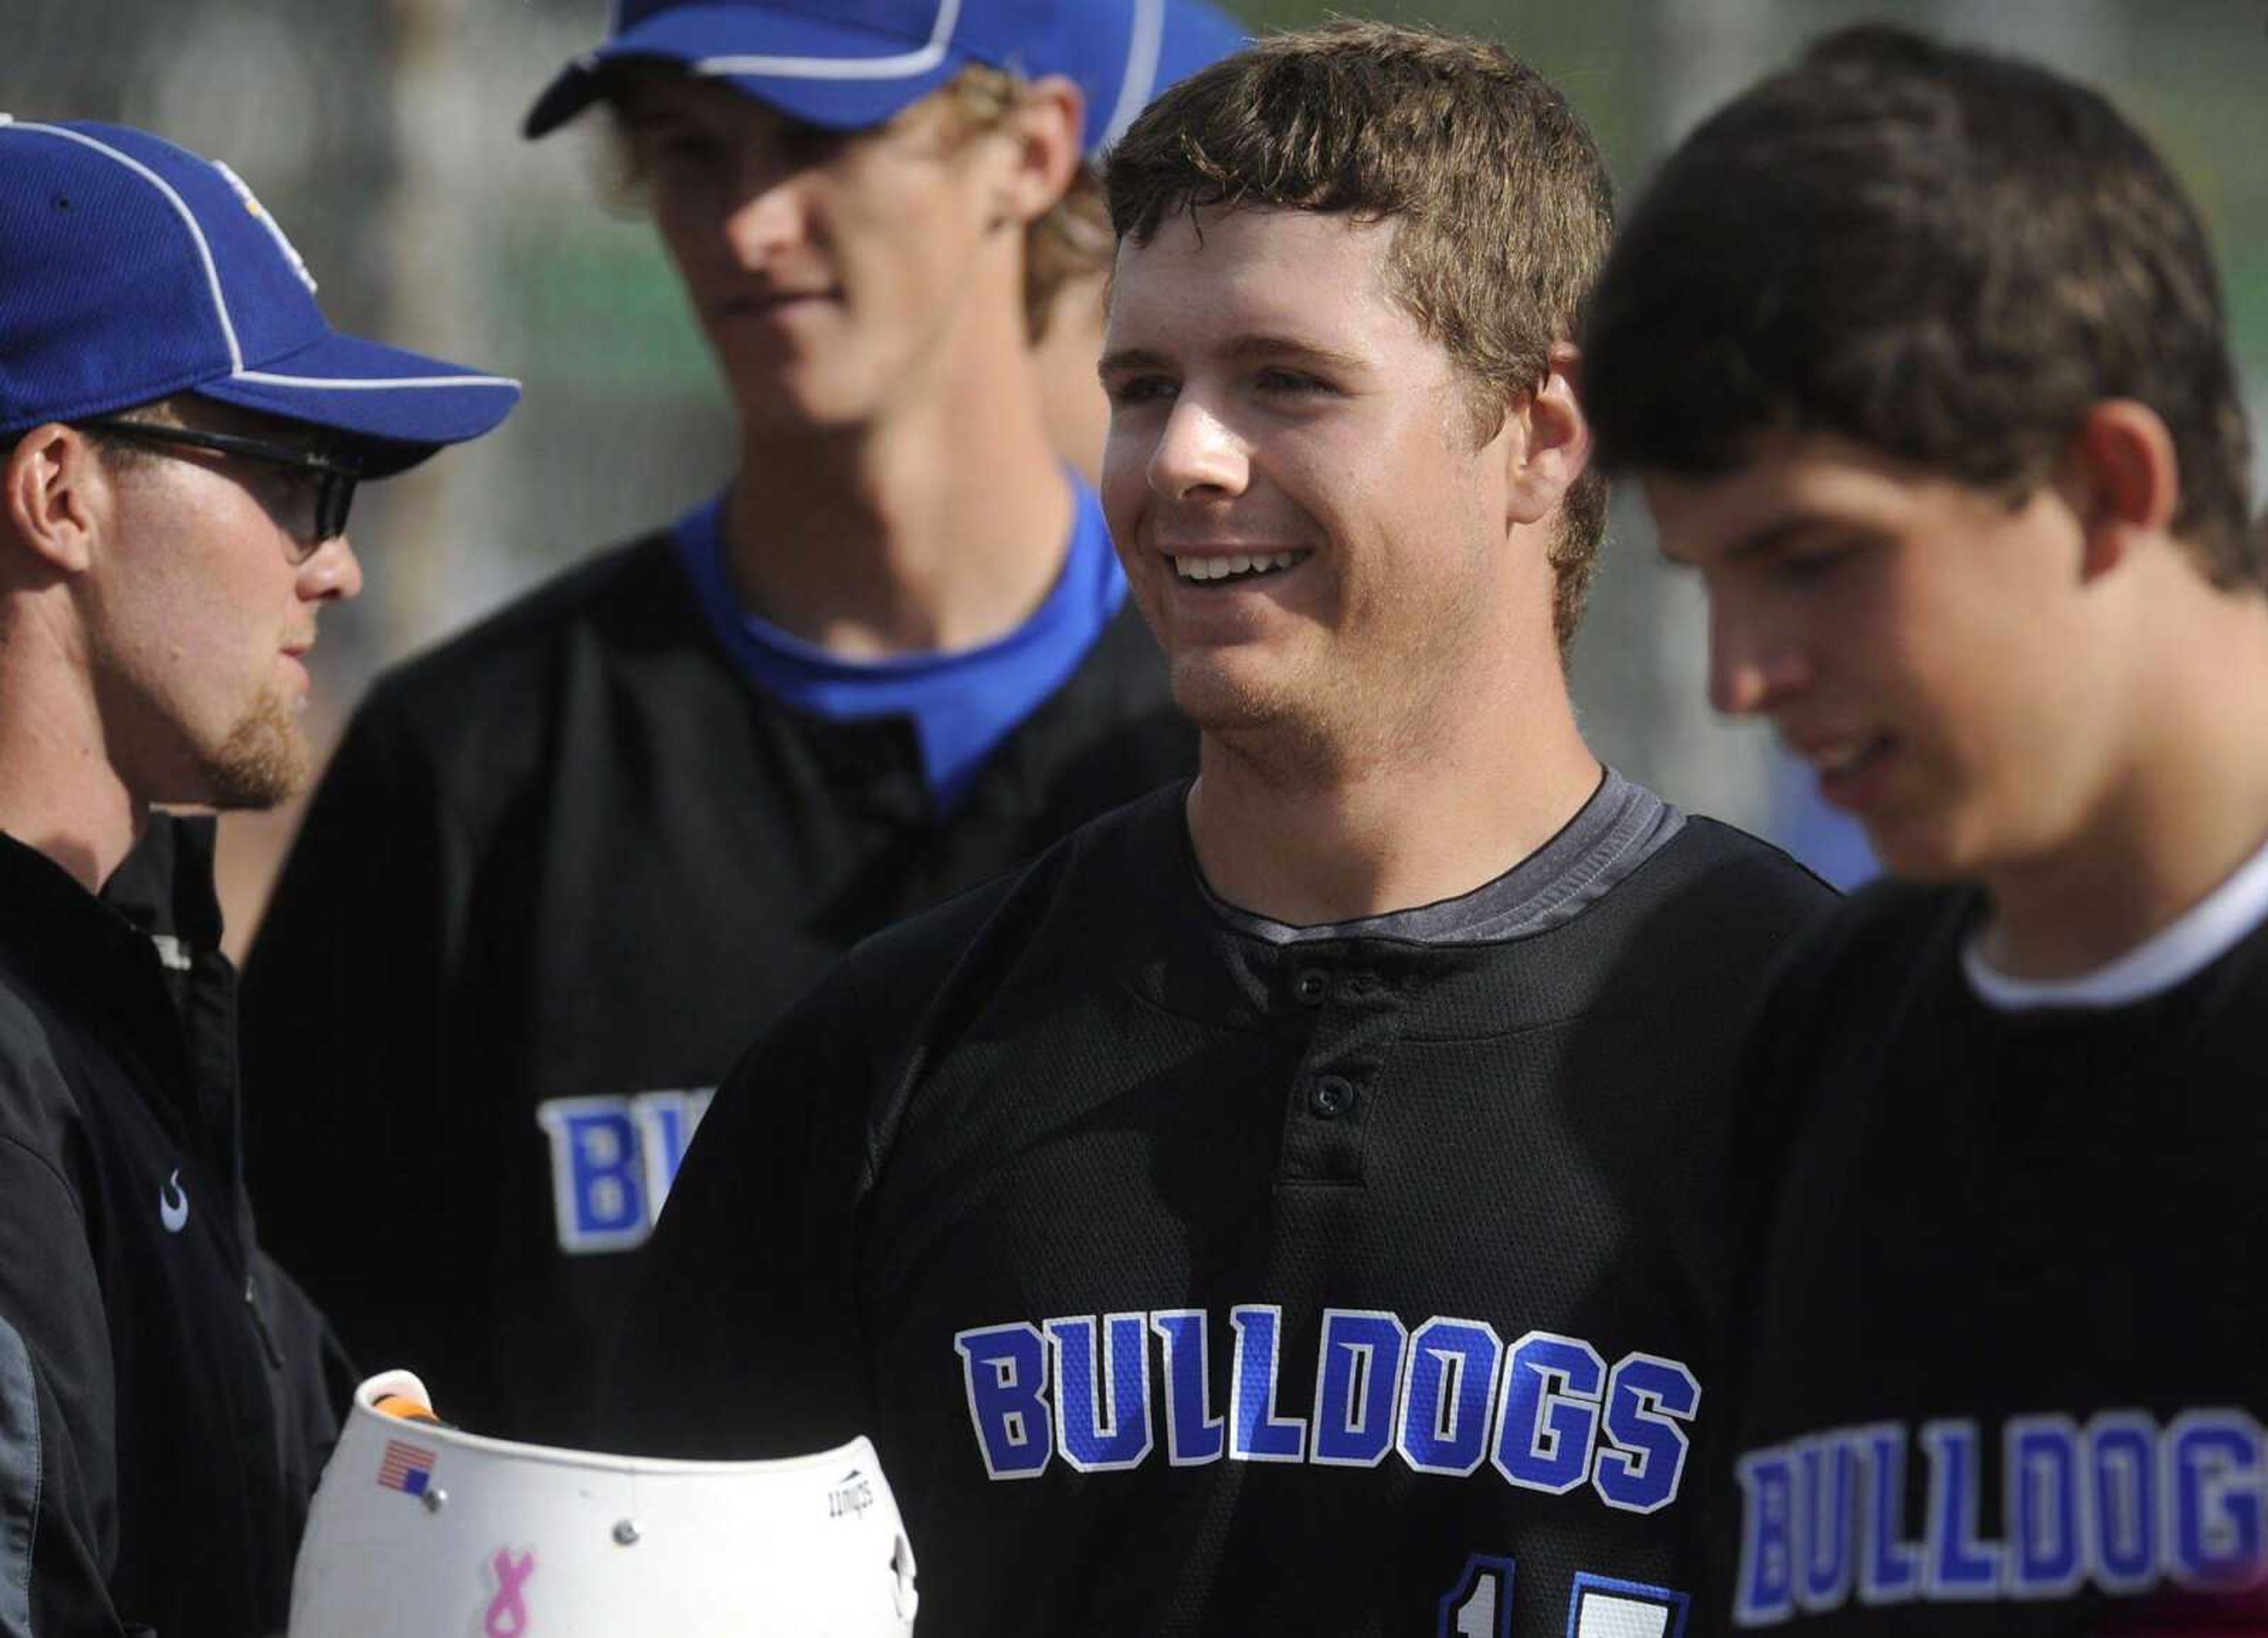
{"x":421,"y":1530}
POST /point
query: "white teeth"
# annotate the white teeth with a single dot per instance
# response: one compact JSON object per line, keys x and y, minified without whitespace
{"x":1236,"y":564}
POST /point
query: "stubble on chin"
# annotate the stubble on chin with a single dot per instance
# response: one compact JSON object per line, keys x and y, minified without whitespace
{"x":262,"y":761}
{"x":1290,"y":737}
{"x":1324,"y":726}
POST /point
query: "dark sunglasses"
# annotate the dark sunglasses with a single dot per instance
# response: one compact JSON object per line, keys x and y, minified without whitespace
{"x":336,"y":475}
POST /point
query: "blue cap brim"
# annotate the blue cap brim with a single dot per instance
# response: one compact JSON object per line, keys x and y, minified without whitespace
{"x":370,"y":390}
{"x":821,"y":72}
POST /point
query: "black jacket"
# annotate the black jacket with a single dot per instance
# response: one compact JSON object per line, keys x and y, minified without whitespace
{"x":164,"y":1392}
{"x":561,"y":873}
{"x":1188,"y":1283}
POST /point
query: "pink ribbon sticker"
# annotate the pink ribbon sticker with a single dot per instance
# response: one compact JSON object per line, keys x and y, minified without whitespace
{"x":508,"y":1609}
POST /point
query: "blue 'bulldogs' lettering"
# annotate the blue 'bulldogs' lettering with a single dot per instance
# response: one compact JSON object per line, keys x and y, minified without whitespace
{"x":2212,"y":1462}
{"x":2119,"y":1504}
{"x":1764,"y":1590}
{"x":2123,"y":1468}
{"x":1957,"y":1564}
{"x":1643,"y":1461}
{"x":1193,"y":1429}
{"x":1449,"y":1382}
{"x":1102,"y":1425}
{"x":2040,"y":1467}
{"x":1005,"y":1369}
{"x":1447,"y":1397}
{"x":1357,"y":1376}
{"x":1550,"y":1415}
{"x":613,"y":1159}
{"x":1823,"y":1578}
{"x":1255,"y":1433}
{"x":1889,"y":1568}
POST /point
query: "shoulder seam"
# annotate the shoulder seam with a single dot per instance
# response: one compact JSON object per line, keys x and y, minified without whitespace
{"x":48,"y":1165}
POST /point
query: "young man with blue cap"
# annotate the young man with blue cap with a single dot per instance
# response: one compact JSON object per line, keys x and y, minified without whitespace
{"x":180,"y":436}
{"x":565,"y":868}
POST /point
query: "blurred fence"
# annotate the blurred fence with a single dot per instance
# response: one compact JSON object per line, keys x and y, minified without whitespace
{"x":385,"y":135}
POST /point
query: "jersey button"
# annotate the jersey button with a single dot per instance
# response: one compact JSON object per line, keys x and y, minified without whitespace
{"x":1330,"y":1096}
{"x":1312,"y":986}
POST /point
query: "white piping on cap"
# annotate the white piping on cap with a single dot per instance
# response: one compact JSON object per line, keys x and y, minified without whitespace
{"x":1144,"y":45}
{"x":237,"y":371}
{"x":906,"y":65}
{"x":260,"y":214}
{"x":263,"y":377}
{"x":182,"y":209}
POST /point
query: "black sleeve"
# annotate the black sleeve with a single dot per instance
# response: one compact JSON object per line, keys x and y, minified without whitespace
{"x":58,"y":1450}
{"x":341,"y":1006}
{"x":1779,"y":1069}
{"x":1767,"y":1103}
{"x":744,"y":1339}
{"x":1772,"y":1088}
{"x":311,"y":1377}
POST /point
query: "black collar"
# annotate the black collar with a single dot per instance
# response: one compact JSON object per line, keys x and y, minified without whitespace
{"x":84,"y":942}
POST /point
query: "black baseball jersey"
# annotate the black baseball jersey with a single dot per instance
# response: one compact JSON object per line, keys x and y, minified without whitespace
{"x":1189,"y":1281}
{"x":2008,"y":1360}
{"x":560,"y":874}
{"x":164,"y":1392}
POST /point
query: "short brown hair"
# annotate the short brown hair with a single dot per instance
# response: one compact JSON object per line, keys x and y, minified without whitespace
{"x":1942,"y":254}
{"x":981,"y":97}
{"x":124,"y":455}
{"x":1501,"y":205}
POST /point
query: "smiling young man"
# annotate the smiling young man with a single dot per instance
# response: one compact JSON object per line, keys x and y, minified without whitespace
{"x":1919,"y":352}
{"x":565,"y":868}
{"x":1275,"y":1209}
{"x":181,"y":435}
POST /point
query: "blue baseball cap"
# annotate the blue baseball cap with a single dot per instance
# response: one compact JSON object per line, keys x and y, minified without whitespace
{"x":1142,"y":47}
{"x":131,"y":270}
{"x":853,"y":64}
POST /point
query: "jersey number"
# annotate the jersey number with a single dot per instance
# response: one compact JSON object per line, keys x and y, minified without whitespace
{"x":1480,"y":1605}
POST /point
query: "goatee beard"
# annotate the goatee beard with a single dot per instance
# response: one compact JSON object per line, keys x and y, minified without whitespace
{"x":263,"y":761}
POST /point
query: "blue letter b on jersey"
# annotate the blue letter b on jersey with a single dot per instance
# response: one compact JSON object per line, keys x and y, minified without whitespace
{"x":597,"y":1173}
{"x":1006,"y":1370}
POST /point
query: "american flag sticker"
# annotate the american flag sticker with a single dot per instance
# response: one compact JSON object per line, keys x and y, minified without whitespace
{"x":406,"y":1468}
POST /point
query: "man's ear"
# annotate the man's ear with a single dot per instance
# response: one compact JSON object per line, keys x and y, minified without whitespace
{"x":1045,"y":132}
{"x":2125,"y":478}
{"x":56,"y":492}
{"x":1552,"y":443}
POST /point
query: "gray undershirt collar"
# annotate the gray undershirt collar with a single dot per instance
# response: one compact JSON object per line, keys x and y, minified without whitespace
{"x":1618,"y":830}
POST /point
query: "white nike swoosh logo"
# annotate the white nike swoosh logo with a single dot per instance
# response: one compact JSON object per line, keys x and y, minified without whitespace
{"x":173,"y":1204}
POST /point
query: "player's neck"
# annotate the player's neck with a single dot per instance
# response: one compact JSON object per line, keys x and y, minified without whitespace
{"x":1426,"y":812}
{"x":59,"y":792}
{"x":2189,"y":804}
{"x":940,"y":524}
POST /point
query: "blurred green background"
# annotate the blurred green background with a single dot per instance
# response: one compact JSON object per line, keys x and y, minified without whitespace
{"x":384,"y":133}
